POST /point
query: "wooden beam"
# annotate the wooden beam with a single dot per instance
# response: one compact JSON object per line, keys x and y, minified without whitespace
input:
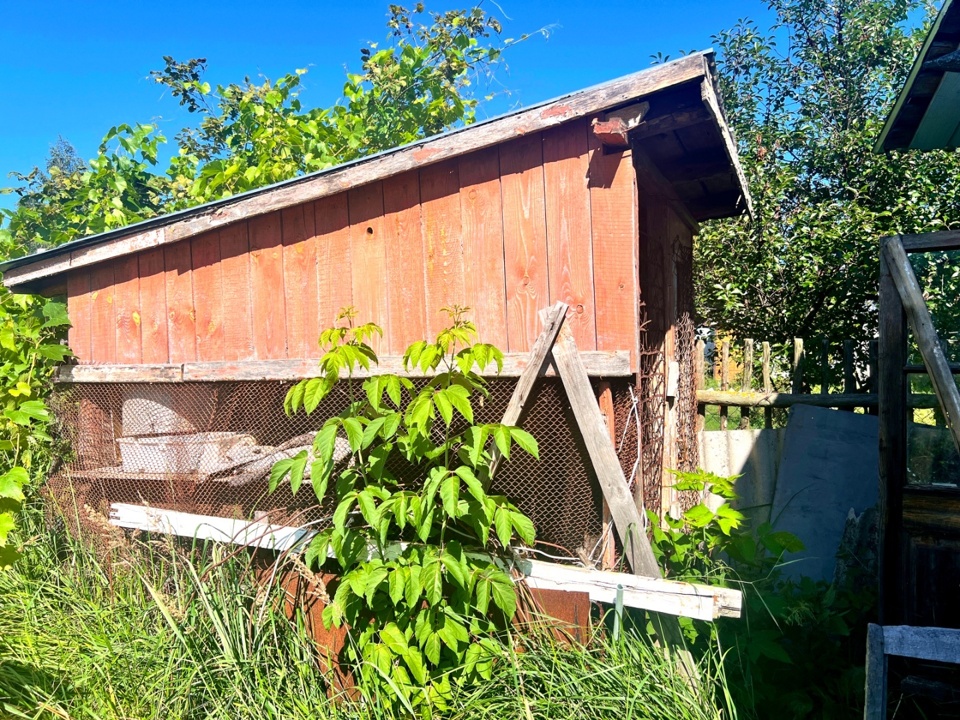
{"x":875,"y":684}
{"x":376,"y":167}
{"x":933,"y":644}
{"x":712,"y":102}
{"x":929,"y":242}
{"x":537,"y":364}
{"x":918,"y":316}
{"x":940,"y":120}
{"x":603,"y":456}
{"x":700,"y":602}
{"x":783,"y":400}
{"x":598,"y":364}
{"x":613,"y":131}
{"x":652,"y":126}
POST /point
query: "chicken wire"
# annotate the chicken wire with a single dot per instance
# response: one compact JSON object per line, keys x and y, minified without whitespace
{"x":207,"y":448}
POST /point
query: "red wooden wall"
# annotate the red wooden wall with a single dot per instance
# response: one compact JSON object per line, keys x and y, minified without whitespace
{"x":506,"y":230}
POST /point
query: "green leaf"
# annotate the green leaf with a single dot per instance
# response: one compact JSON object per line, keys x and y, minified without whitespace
{"x":397,"y":584}
{"x":413,"y":590}
{"x":314,"y":391}
{"x":450,"y":494}
{"x":279,"y":471}
{"x":444,"y":407}
{"x":526,"y":442}
{"x":431,"y":648}
{"x":501,"y":436}
{"x":57,"y":353}
{"x":504,"y":594}
{"x":7,"y":524}
{"x":474,"y":486}
{"x":296,"y":470}
{"x":393,"y":637}
{"x":524,"y":527}
{"x":354,"y":431}
{"x":368,"y":508}
{"x":55,"y":314}
{"x":455,"y":568}
{"x":431,"y":576}
{"x":12,"y":482}
{"x":482,"y":592}
{"x":504,"y":526}
{"x":414,"y":661}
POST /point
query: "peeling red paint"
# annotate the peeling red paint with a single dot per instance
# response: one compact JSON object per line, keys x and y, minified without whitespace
{"x":555,"y":111}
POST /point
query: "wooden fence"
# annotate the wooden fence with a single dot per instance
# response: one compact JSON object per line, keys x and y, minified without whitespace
{"x":825,"y":373}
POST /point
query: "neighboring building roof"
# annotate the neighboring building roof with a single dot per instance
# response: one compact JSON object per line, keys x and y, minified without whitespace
{"x":683,"y":131}
{"x":927,"y":113}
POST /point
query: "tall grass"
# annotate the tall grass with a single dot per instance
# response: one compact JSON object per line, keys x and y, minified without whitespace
{"x":189,"y":633}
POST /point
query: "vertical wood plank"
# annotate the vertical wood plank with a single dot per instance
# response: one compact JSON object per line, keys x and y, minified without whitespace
{"x":369,"y":266}
{"x":406,"y":304}
{"x":153,"y":307}
{"x":614,"y":220}
{"x":849,"y":382}
{"x":891,"y":387}
{"x":334,"y":256}
{"x":767,"y":385}
{"x":724,"y":379}
{"x":824,"y":366}
{"x":569,"y":236}
{"x":78,"y":310}
{"x":524,"y":237}
{"x":875,"y":690}
{"x":746,"y":381}
{"x":268,"y":312}
{"x":609,"y":556}
{"x":443,"y":248}
{"x":481,"y":210}
{"x":208,"y":295}
{"x":181,"y":315}
{"x":300,"y":280}
{"x":127,"y":309}
{"x":235,"y":271}
{"x":873,"y":369}
{"x":798,"y":357}
{"x":103,"y":331}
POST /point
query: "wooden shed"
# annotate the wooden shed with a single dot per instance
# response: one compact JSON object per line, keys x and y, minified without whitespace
{"x":204,"y":316}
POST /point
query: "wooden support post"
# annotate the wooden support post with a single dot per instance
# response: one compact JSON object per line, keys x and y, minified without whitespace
{"x":553,"y":319}
{"x":746,"y":381}
{"x":606,"y":465}
{"x":824,"y":366}
{"x":797,"y":387}
{"x":699,"y":362}
{"x":918,"y":316}
{"x":875,"y":687}
{"x":724,"y":379}
{"x":609,"y":556}
{"x":767,"y":384}
{"x":603,"y":456}
{"x":888,"y":357}
{"x":849,"y":382}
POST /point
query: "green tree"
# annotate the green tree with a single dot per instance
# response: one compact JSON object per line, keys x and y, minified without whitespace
{"x":807,"y":101}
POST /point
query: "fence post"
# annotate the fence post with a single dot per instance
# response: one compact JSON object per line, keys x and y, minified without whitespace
{"x":797,"y":366}
{"x":699,"y":361}
{"x":767,"y":385}
{"x":849,"y":383}
{"x":724,"y":380}
{"x":824,"y":366}
{"x":746,"y":381}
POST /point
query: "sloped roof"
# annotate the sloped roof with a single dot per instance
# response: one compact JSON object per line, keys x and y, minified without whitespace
{"x":927,"y":112}
{"x":683,"y":132}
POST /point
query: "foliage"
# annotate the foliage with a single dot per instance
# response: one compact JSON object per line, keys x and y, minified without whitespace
{"x":252,"y":134}
{"x":807,"y":102}
{"x":415,"y":530}
{"x":187,"y":633}
{"x":797,"y":652}
{"x":29,"y":350}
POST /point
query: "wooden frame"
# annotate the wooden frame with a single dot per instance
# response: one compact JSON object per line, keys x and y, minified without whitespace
{"x":920,"y":643}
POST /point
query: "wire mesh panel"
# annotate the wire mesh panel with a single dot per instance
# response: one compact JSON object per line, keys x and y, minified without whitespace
{"x":207,"y":448}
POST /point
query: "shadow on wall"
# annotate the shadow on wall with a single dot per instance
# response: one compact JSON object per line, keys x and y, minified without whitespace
{"x":812,"y":478}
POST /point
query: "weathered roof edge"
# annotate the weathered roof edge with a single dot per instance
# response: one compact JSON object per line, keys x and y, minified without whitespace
{"x":187,"y":223}
{"x":880,"y":145}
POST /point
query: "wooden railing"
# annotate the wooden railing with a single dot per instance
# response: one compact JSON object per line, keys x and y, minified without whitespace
{"x":825,"y":373}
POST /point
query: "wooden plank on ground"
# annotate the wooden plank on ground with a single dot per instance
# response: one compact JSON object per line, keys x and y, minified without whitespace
{"x":569,"y":240}
{"x":442,"y":242}
{"x":181,"y":315}
{"x":153,"y":307}
{"x":300,"y":281}
{"x":918,"y":316}
{"x":369,"y":259}
{"x":334,"y":256}
{"x":524,"y":238}
{"x":235,"y":266}
{"x":266,"y":287}
{"x":481,"y":211}
{"x":208,"y":295}
{"x":603,"y":457}
{"x":407,"y":303}
{"x":79,"y":306}
{"x":126,"y":303}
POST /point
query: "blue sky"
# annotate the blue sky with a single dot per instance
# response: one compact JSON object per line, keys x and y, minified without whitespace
{"x":74,"y":69}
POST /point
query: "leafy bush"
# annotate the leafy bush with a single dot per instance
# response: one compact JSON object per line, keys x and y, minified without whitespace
{"x":798,"y":650}
{"x":416,"y":531}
